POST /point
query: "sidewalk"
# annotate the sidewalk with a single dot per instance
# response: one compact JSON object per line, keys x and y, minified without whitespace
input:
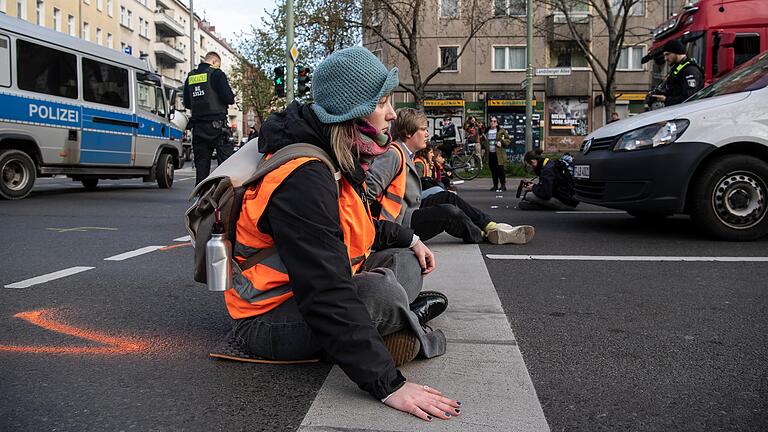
{"x":483,"y":367}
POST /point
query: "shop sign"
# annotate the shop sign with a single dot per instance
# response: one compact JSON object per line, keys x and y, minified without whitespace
{"x":508,"y":102}
{"x":631,"y":97}
{"x":443,"y":103}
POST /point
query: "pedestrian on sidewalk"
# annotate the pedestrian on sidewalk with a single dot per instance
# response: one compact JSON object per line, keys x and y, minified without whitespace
{"x":395,"y":184}
{"x":324,"y":291}
{"x":494,"y":140}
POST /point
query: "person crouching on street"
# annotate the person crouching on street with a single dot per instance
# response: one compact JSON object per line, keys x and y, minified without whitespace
{"x":324,"y":292}
{"x":554,"y":190}
{"x":395,"y":184}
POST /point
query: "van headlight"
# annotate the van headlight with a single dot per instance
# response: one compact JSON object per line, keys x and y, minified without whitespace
{"x":655,"y":135}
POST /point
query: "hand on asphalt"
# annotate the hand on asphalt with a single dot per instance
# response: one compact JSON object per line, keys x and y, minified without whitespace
{"x":423,"y":402}
{"x":425,"y":257}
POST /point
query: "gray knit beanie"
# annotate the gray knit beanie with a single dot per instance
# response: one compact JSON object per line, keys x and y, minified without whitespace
{"x":349,"y":83}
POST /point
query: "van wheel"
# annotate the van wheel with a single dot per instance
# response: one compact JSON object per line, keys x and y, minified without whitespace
{"x":90,"y":183}
{"x":17,"y":174}
{"x":164,"y":171}
{"x":728,"y":199}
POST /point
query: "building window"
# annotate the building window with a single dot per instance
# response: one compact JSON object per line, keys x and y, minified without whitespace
{"x":109,"y":40}
{"x":98,"y":36}
{"x":71,"y":25}
{"x":573,"y":6}
{"x":449,"y":8}
{"x":631,"y":58}
{"x":46,"y":70}
{"x":40,"y":12}
{"x":123,"y":15}
{"x":202,"y":42}
{"x":105,"y":84}
{"x":21,"y":9}
{"x":99,"y":5}
{"x":144,"y":28}
{"x":86,"y":31}
{"x":507,"y":58}
{"x":509,"y":7}
{"x":567,"y":54}
{"x":3,"y":6}
{"x":109,"y":7}
{"x":57,"y":19}
{"x":129,"y":19}
{"x":449,"y":58}
{"x":637,"y":9}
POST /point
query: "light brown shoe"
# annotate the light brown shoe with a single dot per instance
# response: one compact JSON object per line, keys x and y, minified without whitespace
{"x":505,"y":233}
{"x":403,"y":345}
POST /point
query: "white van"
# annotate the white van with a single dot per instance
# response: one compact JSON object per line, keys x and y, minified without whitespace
{"x":707,"y":157}
{"x":75,"y":108}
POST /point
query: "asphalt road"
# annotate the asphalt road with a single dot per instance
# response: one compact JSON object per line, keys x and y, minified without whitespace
{"x":610,"y":345}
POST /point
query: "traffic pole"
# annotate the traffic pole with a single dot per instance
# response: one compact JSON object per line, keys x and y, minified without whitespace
{"x":529,"y":80}
{"x":290,"y":66}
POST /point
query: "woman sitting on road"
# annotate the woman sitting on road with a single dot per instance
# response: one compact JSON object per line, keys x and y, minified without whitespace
{"x":324,"y":292}
{"x":554,"y":191}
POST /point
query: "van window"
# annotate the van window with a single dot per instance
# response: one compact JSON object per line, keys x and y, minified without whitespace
{"x":753,"y":75}
{"x":46,"y":70}
{"x":105,"y":84}
{"x":160,"y":102}
{"x":146,"y":97}
{"x":745,"y":47}
{"x":5,"y":61}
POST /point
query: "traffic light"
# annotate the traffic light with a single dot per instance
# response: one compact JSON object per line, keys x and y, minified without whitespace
{"x":279,"y":81}
{"x":303,"y":81}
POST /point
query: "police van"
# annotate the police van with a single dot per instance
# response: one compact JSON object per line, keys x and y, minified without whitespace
{"x":71,"y":107}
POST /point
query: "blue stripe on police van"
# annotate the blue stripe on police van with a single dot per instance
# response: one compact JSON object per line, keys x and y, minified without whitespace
{"x":37,"y":111}
{"x":105,"y":148}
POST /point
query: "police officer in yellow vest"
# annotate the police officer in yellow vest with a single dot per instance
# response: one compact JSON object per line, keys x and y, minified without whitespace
{"x":208,"y":94}
{"x":685,"y":76}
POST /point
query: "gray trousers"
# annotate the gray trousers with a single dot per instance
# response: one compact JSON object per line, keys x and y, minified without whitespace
{"x":389,"y":282}
{"x":535,"y":203}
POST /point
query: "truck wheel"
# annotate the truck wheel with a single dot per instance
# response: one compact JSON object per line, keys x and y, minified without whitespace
{"x":17,"y":174}
{"x":728,"y":199}
{"x":90,"y":183}
{"x":164,"y":171}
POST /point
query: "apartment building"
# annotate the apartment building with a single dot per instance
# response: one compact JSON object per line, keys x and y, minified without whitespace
{"x":92,"y":20}
{"x":487,"y":80}
{"x":137,"y":28}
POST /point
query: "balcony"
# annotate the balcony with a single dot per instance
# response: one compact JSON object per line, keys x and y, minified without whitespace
{"x":166,"y":25}
{"x":557,"y":27}
{"x":167,"y":53}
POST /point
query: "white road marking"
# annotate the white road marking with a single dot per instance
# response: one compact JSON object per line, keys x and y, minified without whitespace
{"x":628,"y":258}
{"x":183,"y":239}
{"x":184,"y":179}
{"x":591,"y":212}
{"x":81,"y":229}
{"x":135,"y":253}
{"x":48,"y":277}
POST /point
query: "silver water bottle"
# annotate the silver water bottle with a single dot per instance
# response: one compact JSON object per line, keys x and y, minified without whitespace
{"x":218,"y":258}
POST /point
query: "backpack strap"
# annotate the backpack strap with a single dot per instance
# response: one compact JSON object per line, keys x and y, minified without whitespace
{"x":258,"y":257}
{"x":291,"y":152}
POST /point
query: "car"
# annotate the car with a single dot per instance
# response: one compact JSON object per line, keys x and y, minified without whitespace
{"x":706,"y":157}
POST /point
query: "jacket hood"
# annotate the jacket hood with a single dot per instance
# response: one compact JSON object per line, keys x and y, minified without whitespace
{"x":299,"y":124}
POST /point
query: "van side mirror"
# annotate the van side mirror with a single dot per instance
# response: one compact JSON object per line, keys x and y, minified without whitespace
{"x":725,"y":53}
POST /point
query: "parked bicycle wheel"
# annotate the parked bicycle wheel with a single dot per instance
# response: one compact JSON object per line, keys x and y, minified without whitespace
{"x":466,"y":166}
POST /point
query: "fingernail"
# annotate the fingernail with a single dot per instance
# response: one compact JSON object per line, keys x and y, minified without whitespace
{"x":458,"y":403}
{"x":447,"y":414}
{"x":457,"y":410}
{"x":429,"y":417}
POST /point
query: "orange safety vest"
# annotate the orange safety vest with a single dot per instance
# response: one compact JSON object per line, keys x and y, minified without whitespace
{"x":392,"y":198}
{"x":264,"y":286}
{"x":420,"y":160}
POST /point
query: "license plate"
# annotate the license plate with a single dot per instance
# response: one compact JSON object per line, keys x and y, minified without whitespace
{"x":581,"y":171}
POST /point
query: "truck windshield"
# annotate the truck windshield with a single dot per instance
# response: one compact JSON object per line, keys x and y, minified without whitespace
{"x":753,"y":75}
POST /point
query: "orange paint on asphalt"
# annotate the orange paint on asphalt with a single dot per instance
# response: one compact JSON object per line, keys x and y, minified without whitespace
{"x":45,"y":318}
{"x":175,"y":246}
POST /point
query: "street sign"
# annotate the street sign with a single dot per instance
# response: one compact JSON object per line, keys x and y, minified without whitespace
{"x":524,"y":83}
{"x":128,"y":50}
{"x":294,"y":53}
{"x":553,"y":71}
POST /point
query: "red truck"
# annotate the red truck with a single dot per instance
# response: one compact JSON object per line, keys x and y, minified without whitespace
{"x":719,"y":34}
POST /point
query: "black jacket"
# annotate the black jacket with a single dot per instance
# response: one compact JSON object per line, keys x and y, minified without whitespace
{"x":221,"y":86}
{"x":303,"y":218}
{"x":683,"y":82}
{"x":553,"y":183}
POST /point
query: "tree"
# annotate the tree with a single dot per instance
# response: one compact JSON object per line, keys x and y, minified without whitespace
{"x":398,"y":24}
{"x":614,"y":19}
{"x":254,"y":87}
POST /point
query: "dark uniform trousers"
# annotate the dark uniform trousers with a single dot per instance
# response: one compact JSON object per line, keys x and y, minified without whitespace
{"x":208,"y":135}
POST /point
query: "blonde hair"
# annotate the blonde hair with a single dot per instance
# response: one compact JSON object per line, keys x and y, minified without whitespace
{"x":408,"y":122}
{"x":342,"y":136}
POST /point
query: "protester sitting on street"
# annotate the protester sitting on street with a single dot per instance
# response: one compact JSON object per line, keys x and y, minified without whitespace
{"x":441,"y":173}
{"x":554,"y":190}
{"x":394,"y":183}
{"x":323,"y":292}
{"x":494,"y":140}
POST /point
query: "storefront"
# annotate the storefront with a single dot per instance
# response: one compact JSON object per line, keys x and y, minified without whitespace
{"x":630,"y":104}
{"x":439,"y":106}
{"x":510,"y":114}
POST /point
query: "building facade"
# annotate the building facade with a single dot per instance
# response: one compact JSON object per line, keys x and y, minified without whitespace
{"x":488,"y":79}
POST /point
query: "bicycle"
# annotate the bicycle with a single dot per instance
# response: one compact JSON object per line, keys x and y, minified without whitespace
{"x":465,"y":163}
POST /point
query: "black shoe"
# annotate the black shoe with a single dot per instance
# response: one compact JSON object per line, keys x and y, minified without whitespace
{"x":493,"y":189}
{"x":503,"y":187}
{"x":428,"y":305}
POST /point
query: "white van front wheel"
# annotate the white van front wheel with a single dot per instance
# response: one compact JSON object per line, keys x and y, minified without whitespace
{"x":165,"y":170}
{"x":17,"y":174}
{"x":729,"y":198}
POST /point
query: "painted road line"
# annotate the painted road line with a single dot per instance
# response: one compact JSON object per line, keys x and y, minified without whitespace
{"x":183,"y":239}
{"x":590,"y":212}
{"x":628,"y":258}
{"x":185,"y":179}
{"x":48,"y":277}
{"x":135,"y":253}
{"x":81,"y":229}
